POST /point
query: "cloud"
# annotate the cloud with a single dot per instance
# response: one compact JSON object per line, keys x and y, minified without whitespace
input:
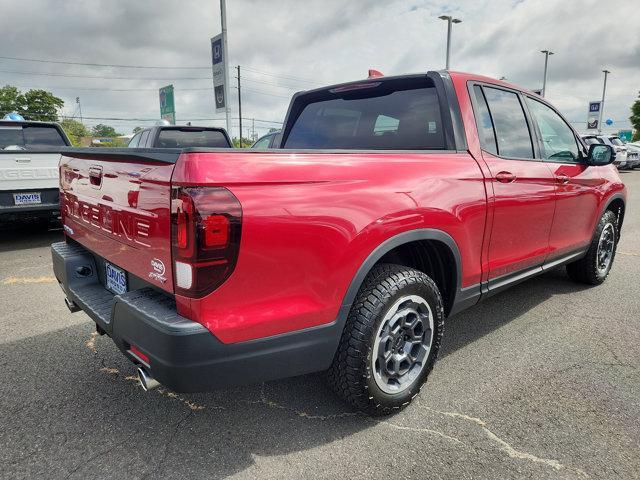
{"x":288,"y":45}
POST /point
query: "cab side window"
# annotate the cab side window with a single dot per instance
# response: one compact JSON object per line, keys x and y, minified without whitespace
{"x":558,"y":140}
{"x":484,"y":123}
{"x":513,"y":137}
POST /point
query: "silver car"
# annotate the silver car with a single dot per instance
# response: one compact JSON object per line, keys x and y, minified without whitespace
{"x":615,"y":142}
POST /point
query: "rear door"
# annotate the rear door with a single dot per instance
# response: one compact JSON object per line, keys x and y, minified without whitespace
{"x":576,"y":183}
{"x":522,"y":187}
{"x":117,"y":205}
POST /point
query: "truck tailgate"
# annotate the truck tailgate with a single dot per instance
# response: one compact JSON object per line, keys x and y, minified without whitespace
{"x":117,"y":205}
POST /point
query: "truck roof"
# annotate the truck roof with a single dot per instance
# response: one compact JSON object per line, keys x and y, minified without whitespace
{"x":37,"y":123}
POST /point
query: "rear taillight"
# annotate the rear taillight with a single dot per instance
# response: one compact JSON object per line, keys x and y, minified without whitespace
{"x":206,"y":223}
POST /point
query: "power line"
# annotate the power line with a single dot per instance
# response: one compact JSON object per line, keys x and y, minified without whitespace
{"x":50,"y":74}
{"x":151,"y":67}
{"x":112,"y":65}
{"x":270,"y":74}
{"x":145,"y":67}
{"x":260,"y":92}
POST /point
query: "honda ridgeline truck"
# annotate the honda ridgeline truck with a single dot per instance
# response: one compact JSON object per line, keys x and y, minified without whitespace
{"x":391,"y":204}
{"x":29,"y":155}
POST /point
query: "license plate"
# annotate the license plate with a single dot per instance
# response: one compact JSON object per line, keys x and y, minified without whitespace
{"x":27,"y":198}
{"x":116,"y":279}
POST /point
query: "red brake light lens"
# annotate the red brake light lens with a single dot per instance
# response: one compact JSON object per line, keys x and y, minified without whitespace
{"x":206,"y":228}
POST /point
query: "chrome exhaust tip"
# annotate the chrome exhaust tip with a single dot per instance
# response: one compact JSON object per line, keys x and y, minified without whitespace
{"x":146,"y":381}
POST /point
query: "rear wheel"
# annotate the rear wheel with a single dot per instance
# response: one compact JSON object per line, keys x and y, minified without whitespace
{"x":595,"y":266}
{"x":390,"y":341}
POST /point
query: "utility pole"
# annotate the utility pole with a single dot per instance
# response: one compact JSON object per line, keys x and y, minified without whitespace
{"x":546,"y":61}
{"x":604,"y":89}
{"x":239,"y":105}
{"x":449,"y":19}
{"x":253,"y":129}
{"x":223,"y":20}
{"x":79,"y":108}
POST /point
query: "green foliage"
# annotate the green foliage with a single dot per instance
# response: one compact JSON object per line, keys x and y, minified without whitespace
{"x":102,"y":130}
{"x":246,"y":142}
{"x":8,"y":100}
{"x":33,"y":105}
{"x":635,"y":118}
{"x":74,"y":130}
{"x":113,"y":142}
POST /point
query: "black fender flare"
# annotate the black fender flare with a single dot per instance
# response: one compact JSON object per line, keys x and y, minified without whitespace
{"x":462,"y":298}
{"x":607,"y":204}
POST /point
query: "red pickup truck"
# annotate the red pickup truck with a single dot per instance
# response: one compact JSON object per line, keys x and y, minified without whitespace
{"x":390,"y":204}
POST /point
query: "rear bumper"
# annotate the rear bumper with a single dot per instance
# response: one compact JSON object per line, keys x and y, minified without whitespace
{"x":184,"y":355}
{"x":49,"y":207}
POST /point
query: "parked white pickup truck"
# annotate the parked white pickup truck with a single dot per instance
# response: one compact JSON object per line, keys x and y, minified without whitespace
{"x":29,"y":155}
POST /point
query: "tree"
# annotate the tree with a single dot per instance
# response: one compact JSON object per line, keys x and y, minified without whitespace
{"x":40,"y":105}
{"x":246,"y":142}
{"x":74,"y":130}
{"x":33,"y":105}
{"x":102,"y":130}
{"x":8,"y":100}
{"x":635,"y":118}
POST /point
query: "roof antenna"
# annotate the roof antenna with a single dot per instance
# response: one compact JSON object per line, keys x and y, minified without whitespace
{"x":375,"y":73}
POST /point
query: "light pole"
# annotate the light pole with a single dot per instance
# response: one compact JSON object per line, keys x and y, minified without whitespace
{"x":225,"y":59}
{"x":546,"y":62}
{"x":449,"y":19}
{"x":604,"y":89}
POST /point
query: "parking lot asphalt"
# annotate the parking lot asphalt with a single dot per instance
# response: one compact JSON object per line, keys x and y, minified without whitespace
{"x":541,"y":381}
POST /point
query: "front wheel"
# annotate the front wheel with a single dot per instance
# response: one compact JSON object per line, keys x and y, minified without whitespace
{"x":390,"y":341}
{"x":595,"y":266}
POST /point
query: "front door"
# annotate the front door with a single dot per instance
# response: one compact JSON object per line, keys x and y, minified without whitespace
{"x":522,"y":191}
{"x":577,"y":184}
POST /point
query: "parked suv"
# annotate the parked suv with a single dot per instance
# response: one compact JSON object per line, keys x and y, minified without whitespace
{"x":391,"y":204}
{"x":172,"y":136}
{"x":270,"y":140}
{"x":617,"y":145}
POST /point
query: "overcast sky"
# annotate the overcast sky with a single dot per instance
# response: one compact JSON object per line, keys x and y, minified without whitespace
{"x":285,"y":46}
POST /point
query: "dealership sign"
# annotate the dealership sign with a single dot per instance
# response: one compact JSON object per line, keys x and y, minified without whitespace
{"x":218,"y":65}
{"x":593,"y":115}
{"x":167,"y":105}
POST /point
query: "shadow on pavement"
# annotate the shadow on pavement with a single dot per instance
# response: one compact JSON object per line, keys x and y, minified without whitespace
{"x":70,"y":406}
{"x":15,"y":237}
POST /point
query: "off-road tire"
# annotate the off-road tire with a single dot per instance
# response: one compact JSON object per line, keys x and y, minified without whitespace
{"x":351,"y":373}
{"x":585,"y":270}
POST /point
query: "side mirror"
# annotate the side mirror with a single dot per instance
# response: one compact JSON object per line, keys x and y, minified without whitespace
{"x":600,"y":155}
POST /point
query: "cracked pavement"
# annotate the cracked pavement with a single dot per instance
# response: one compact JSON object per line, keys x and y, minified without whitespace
{"x":541,"y":381}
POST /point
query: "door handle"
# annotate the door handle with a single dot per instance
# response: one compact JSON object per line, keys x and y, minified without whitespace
{"x":505,"y":177}
{"x":563,"y":179}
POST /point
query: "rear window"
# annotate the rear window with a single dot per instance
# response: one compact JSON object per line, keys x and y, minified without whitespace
{"x":30,"y":138}
{"x":394,"y":115}
{"x":192,"y":138}
{"x":616,"y":141}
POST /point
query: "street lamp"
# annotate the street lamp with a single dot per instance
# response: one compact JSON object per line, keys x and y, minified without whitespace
{"x":449,"y":20}
{"x":604,"y":89}
{"x":546,"y":61}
